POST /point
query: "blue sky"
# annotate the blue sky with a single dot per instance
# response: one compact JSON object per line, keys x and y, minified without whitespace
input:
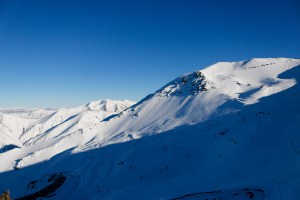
{"x":67,"y":53}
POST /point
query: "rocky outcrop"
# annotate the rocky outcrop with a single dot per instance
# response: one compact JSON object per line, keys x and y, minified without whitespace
{"x":5,"y":196}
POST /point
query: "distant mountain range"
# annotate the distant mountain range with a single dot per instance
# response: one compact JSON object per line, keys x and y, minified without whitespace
{"x":230,"y":131}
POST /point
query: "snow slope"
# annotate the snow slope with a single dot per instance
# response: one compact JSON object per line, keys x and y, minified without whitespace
{"x":19,"y":126}
{"x":201,"y":96}
{"x":229,"y":131}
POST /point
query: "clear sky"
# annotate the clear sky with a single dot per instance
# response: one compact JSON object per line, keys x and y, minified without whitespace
{"x":56,"y":53}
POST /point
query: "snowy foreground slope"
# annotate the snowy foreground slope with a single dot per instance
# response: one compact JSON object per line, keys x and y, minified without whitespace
{"x":230,"y":131}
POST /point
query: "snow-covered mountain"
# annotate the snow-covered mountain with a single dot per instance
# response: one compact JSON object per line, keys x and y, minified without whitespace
{"x":230,"y":131}
{"x":19,"y":126}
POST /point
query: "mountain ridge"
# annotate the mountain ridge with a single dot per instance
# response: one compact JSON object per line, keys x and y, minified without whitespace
{"x":220,"y":136}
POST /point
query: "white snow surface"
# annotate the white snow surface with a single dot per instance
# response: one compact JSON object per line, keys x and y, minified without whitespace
{"x":229,"y":131}
{"x":20,"y":126}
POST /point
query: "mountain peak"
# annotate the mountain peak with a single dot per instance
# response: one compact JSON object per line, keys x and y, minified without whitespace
{"x":184,"y":85}
{"x":221,"y":121}
{"x":233,"y":79}
{"x":109,"y":105}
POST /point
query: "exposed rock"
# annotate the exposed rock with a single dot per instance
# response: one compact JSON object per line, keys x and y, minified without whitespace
{"x":5,"y":196}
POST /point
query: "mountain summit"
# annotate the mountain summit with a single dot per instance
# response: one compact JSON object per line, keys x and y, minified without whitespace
{"x":229,"y":131}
